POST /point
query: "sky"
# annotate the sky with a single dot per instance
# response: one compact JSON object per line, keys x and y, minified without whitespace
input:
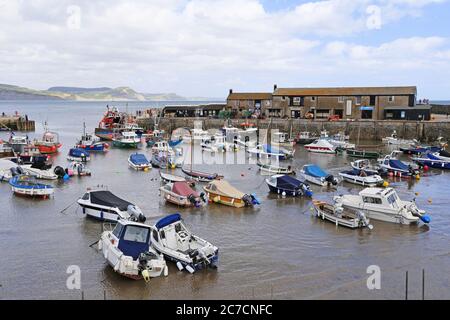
{"x":206,"y":47}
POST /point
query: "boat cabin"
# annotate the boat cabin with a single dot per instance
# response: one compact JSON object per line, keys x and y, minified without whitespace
{"x":385,"y":197}
{"x":131,"y":238}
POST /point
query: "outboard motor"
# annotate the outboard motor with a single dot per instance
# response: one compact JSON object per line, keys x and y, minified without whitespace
{"x":136,"y":214}
{"x":15,"y":171}
{"x":192,"y":199}
{"x":331,"y":180}
{"x":247,"y":200}
{"x":306,"y":190}
{"x":60,"y":172}
{"x":203,"y":197}
{"x":415,"y":212}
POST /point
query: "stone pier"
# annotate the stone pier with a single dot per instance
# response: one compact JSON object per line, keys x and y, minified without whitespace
{"x":16,"y":124}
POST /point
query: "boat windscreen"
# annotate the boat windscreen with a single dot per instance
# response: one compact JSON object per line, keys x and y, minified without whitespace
{"x":106,"y":198}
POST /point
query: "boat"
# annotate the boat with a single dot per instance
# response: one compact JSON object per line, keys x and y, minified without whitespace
{"x":267,"y":168}
{"x":316,"y":175}
{"x":397,"y":167}
{"x":364,"y":164}
{"x":394,"y":140}
{"x":139,"y":161}
{"x":181,"y":194}
{"x":432,"y":161}
{"x":208,"y":146}
{"x":8,"y":169}
{"x":281,"y":139}
{"x":162,"y":161}
{"x":268,"y":151}
{"x":134,"y":127}
{"x":105,"y":206}
{"x":417,"y":149}
{"x":26,"y":185}
{"x":77,"y":168}
{"x":363,"y":178}
{"x":201,"y":176}
{"x":17,"y":143}
{"x":6,"y":151}
{"x":40,"y":168}
{"x":340,"y":216}
{"x":383,"y":205}
{"x":196,"y":135}
{"x":221,"y":191}
{"x":305,"y":137}
{"x":363,"y":154}
{"x":126,"y":139}
{"x":177,"y":243}
{"x":174,"y":143}
{"x":288,"y":186}
{"x":321,"y":146}
{"x":77,"y":154}
{"x":127,"y":249}
{"x":163,"y":147}
{"x":167,"y":177}
{"x":89,"y":143}
{"x":109,"y":125}
{"x":49,"y":142}
{"x":443,"y":155}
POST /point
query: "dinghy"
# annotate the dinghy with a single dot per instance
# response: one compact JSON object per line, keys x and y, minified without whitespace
{"x":273,"y":169}
{"x":40,"y":168}
{"x":79,"y":169}
{"x":77,"y":154}
{"x":201,"y":176}
{"x":177,"y":243}
{"x":221,"y":191}
{"x":397,"y":167}
{"x":127,"y":249}
{"x":384,"y":205}
{"x":26,"y":185}
{"x":394,"y":140}
{"x":432,"y":161}
{"x":288,"y":186}
{"x":167,"y":177}
{"x":340,"y":216}
{"x":181,"y":194}
{"x":105,"y":206}
{"x":363,"y":178}
{"x":321,"y":146}
{"x":314,"y":174}
{"x":364,"y":164}
{"x":139,"y":161}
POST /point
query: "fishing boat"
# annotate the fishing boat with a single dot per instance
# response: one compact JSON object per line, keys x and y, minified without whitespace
{"x":383,"y":205}
{"x":89,"y":143}
{"x":201,"y":176}
{"x":126,"y":139}
{"x":432,"y":161}
{"x":17,"y":143}
{"x":221,"y":191}
{"x":40,"y":168}
{"x":26,"y":185}
{"x":77,"y":168}
{"x":354,"y":153}
{"x":177,"y":243}
{"x":49,"y":142}
{"x":288,"y":186}
{"x":397,"y":167}
{"x":128,"y":250}
{"x":316,"y":175}
{"x":105,"y":206}
{"x":340,"y":216}
{"x":139,"y":161}
{"x":162,"y":146}
{"x":6,"y":151}
{"x":7,"y":169}
{"x":267,"y":168}
{"x":181,"y":194}
{"x":363,"y":178}
{"x":364,"y":164}
{"x":112,"y":120}
{"x":77,"y":154}
{"x":321,"y":146}
{"x":305,"y":137}
{"x":281,"y":139}
{"x":265,"y":150}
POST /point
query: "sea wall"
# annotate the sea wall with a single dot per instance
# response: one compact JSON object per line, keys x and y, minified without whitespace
{"x":17,"y":124}
{"x":367,"y":130}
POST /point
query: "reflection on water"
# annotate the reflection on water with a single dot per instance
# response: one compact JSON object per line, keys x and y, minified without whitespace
{"x":275,"y":251}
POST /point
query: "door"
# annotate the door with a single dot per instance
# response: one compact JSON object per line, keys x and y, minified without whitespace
{"x":348,"y":109}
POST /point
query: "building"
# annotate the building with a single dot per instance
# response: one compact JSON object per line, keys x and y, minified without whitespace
{"x":417,"y":113}
{"x":193,"y":111}
{"x":347,"y":103}
{"x":243,"y":104}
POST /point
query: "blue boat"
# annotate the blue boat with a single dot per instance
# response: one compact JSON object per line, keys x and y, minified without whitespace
{"x":316,"y":175}
{"x":26,"y":185}
{"x":432,"y":161}
{"x":174,"y":143}
{"x":288,"y":186}
{"x":397,"y":167}
{"x":78,"y":154}
{"x":420,"y":150}
{"x":138,"y":161}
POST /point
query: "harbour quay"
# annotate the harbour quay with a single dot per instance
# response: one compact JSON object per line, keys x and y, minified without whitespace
{"x":16,"y":123}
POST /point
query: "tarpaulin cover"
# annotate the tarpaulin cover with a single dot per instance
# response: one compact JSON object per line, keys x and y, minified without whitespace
{"x":288,"y":182}
{"x":183,"y":189}
{"x":315,"y":171}
{"x":138,"y":158}
{"x":77,"y":152}
{"x":107,"y":199}
{"x":397,"y":164}
{"x":168,"y":220}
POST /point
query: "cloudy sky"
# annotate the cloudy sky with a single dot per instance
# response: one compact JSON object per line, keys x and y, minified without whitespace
{"x":205,"y":47}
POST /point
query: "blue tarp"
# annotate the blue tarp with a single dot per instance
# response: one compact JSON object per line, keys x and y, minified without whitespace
{"x":432,"y":157}
{"x":168,"y":220}
{"x":397,"y":164}
{"x":138,"y":158}
{"x":288,"y":182}
{"x":77,"y":152}
{"x":269,"y":149}
{"x":315,"y":171}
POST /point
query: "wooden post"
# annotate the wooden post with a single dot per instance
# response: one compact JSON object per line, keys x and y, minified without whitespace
{"x":406,"y":286}
{"x":423,"y":284}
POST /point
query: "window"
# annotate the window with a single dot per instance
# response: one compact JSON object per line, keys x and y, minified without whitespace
{"x":358,"y":99}
{"x":392,"y":198}
{"x":118,"y":230}
{"x":296,"y":101}
{"x":86,"y":196}
{"x":372,"y":200}
{"x":136,"y":234}
{"x":372,"y":100}
{"x":391,"y":98}
{"x":313,"y":98}
{"x":155,"y":235}
{"x":341,"y":99}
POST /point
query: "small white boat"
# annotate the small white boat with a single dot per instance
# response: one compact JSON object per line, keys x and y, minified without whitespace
{"x":7,"y":168}
{"x":139,"y":161}
{"x":40,"y":168}
{"x":394,"y":140}
{"x":365,"y":164}
{"x":321,"y":146}
{"x":363,"y":178}
{"x":267,"y":168}
{"x":339,"y":216}
{"x":127,"y":249}
{"x":167,"y":177}
{"x":177,"y":243}
{"x":264,"y":150}
{"x":383,"y":205}
{"x":314,"y":174}
{"x":105,"y":206}
{"x":397,"y":167}
{"x":163,"y":147}
{"x":79,"y":169}
{"x":26,"y":185}
{"x":181,"y":194}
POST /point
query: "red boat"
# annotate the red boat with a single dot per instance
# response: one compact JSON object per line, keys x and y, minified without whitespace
{"x":112,"y":120}
{"x":49,"y":143}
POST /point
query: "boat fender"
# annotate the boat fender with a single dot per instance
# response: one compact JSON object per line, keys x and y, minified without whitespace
{"x":166,"y":271}
{"x":145,"y":274}
{"x":425,"y":218}
{"x":190,"y":269}
{"x":283,"y":193}
{"x":179,"y":266}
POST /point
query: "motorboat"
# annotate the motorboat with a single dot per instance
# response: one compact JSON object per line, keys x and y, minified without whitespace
{"x":134,"y":127}
{"x":316,"y":175}
{"x":181,"y":194}
{"x":340,"y":216}
{"x":443,"y":155}
{"x":167,"y":177}
{"x":162,"y":147}
{"x":363,"y":178}
{"x":196,"y":135}
{"x":105,"y":206}
{"x":384,"y":205}
{"x":281,"y":139}
{"x":40,"y":168}
{"x":397,"y":167}
{"x":17,"y":143}
{"x":162,"y":161}
{"x":7,"y":169}
{"x":305,"y":137}
{"x":365,"y":164}
{"x":6,"y":151}
{"x":177,"y":243}
{"x":208,"y":146}
{"x":112,"y":121}
{"x":127,"y":249}
{"x":139,"y":161}
{"x":288,"y":186}
{"x":201,"y":176}
{"x":26,"y":185}
{"x":417,"y":150}
{"x":77,"y":154}
{"x":321,"y":146}
{"x":77,"y":168}
{"x":432,"y":161}
{"x":49,"y":143}
{"x":394,"y":140}
{"x":222,"y":192}
{"x":89,"y":143}
{"x":354,"y":153}
{"x":126,"y":139}
{"x":267,"y":168}
{"x":265,"y":150}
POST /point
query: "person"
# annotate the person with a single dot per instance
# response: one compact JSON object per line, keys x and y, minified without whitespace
{"x":26,"y":118}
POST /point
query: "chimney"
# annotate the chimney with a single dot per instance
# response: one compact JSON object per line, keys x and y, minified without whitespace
{"x":231,"y":91}
{"x":274,"y":87}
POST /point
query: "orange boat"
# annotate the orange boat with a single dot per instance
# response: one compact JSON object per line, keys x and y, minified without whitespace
{"x":49,"y":143}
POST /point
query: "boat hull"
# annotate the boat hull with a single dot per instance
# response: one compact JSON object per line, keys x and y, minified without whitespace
{"x":49,"y":149}
{"x":290,"y":193}
{"x":101,"y":215}
{"x":320,"y":150}
{"x":363,"y":154}
{"x":104,"y":134}
{"x":228,"y":201}
{"x":121,"y":144}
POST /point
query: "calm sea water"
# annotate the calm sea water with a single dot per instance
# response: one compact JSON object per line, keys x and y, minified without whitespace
{"x":275,"y":251}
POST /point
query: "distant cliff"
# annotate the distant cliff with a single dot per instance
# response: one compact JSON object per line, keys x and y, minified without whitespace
{"x":10,"y":92}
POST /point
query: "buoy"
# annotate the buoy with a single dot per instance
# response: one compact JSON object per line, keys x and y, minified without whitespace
{"x":417,"y":177}
{"x":283,"y":194}
{"x":242,"y":174}
{"x":416,"y":193}
{"x":179,"y":266}
{"x":425,"y":168}
{"x":430,"y":201}
{"x":166,"y":271}
{"x":390,"y":174}
{"x":145,"y":275}
{"x":190,"y":269}
{"x":385,"y":184}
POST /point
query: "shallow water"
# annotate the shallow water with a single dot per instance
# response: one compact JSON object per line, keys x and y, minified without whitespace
{"x":275,"y":251}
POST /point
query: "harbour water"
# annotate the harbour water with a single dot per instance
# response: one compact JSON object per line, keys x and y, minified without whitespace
{"x":275,"y":251}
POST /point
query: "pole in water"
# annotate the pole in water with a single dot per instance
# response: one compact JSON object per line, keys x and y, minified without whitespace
{"x":104,"y":294}
{"x":406,"y":286}
{"x":423,"y":284}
